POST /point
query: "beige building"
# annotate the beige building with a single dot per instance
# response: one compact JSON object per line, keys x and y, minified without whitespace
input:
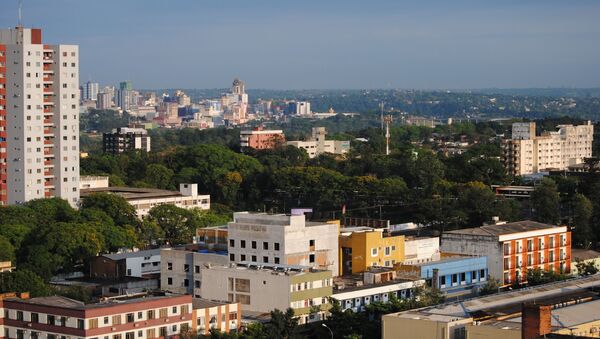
{"x":283,"y":239}
{"x":181,"y":269}
{"x":527,"y":153}
{"x":89,"y":181}
{"x":262,"y":288}
{"x":317,"y":144}
{"x":144,"y":199}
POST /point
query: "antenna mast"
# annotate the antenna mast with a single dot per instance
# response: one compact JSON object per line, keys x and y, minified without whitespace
{"x":388,"y":120}
{"x":20,"y":13}
{"x":381,"y":111}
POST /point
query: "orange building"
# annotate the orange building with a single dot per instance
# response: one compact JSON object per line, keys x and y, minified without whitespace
{"x":513,"y":248}
{"x":260,"y":138}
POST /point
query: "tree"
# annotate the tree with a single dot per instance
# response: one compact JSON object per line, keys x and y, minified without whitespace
{"x":116,"y":207}
{"x":178,"y":224}
{"x":546,"y":202}
{"x":583,"y":235}
{"x":586,"y":267}
{"x":490,"y":287}
{"x":282,"y":325}
{"x":159,"y":176}
{"x":23,"y":281}
{"x":7,"y":250}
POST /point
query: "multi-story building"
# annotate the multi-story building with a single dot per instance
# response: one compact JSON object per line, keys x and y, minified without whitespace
{"x":39,"y":118}
{"x":513,"y":248}
{"x":265,"y":287}
{"x":317,"y":144}
{"x":526,"y":153}
{"x":180,"y":269}
{"x":364,"y":247}
{"x":89,"y":91}
{"x":299,"y":108}
{"x":125,"y":95}
{"x":452,"y":275}
{"x":127,"y":264}
{"x":141,"y":316}
{"x":260,"y":138}
{"x":125,"y":139}
{"x":104,"y":100}
{"x":144,"y":199}
{"x":283,"y":239}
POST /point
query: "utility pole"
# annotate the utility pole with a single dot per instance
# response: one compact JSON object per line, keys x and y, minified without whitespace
{"x":388,"y":120}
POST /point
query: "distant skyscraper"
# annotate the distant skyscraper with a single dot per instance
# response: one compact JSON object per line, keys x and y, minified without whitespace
{"x":104,"y":101}
{"x":126,"y":85}
{"x":299,"y":108}
{"x":90,"y":91}
{"x":39,"y":104}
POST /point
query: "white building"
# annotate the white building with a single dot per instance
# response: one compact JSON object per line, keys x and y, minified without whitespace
{"x":283,"y":239}
{"x":527,"y":153}
{"x":39,"y":101}
{"x":124,"y":139}
{"x":418,"y":250}
{"x":263,"y":288}
{"x":318,"y":145}
{"x":89,"y":181}
{"x":90,"y":91}
{"x":143,"y":199}
{"x":128,"y":264}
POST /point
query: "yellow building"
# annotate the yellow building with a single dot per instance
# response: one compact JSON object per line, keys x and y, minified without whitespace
{"x":364,"y":247}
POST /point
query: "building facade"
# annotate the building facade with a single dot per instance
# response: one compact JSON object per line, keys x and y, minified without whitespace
{"x":527,"y":153}
{"x":90,"y":91}
{"x":260,"y":138}
{"x":364,"y":247}
{"x":513,"y":248}
{"x":263,"y":288}
{"x":128,"y":264}
{"x":421,"y":249}
{"x":181,"y":269}
{"x":317,"y":144}
{"x":144,"y":199}
{"x":125,"y":139}
{"x":39,"y":118}
{"x":144,"y":316}
{"x":283,"y":239}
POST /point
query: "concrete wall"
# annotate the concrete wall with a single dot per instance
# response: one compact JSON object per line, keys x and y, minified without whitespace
{"x":395,"y":327}
{"x":194,"y":261}
{"x":476,"y":245}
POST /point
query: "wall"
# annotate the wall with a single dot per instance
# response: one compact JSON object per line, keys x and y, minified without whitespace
{"x":479,"y":246}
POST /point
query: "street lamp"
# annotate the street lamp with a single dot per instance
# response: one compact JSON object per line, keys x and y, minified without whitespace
{"x":327,"y":327}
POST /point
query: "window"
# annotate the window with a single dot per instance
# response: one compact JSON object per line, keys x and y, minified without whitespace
{"x":169,"y":281}
{"x":253,"y":244}
{"x":276,"y":246}
{"x":20,"y":315}
{"x":454,"y":278}
{"x":276,"y":260}
{"x":35,"y":318}
{"x":474,"y":276}
{"x":242,"y":285}
{"x":130,"y":318}
{"x":231,"y":257}
{"x":311,"y":258}
{"x":540,"y":244}
{"x":197,"y":269}
{"x":186,"y":282}
{"x":506,"y":263}
{"x":186,"y":267}
{"x":196,"y":283}
{"x":463,"y":277}
{"x":93,"y":323}
{"x":443,"y":280}
{"x":50,"y":319}
{"x":231,"y":243}
{"x":373,"y":252}
{"x":243,"y":257}
{"x":150,"y":314}
{"x":253,"y":258}
{"x":80,"y":324}
{"x":529,"y":245}
{"x":150,"y":333}
{"x":387,"y":251}
{"x":140,"y":333}
{"x":185,"y":309}
{"x":163,"y":312}
{"x":242,"y":299}
{"x":265,"y":245}
{"x":506,"y":249}
{"x":163,"y":331}
{"x":170,"y":266}
{"x":482,"y":274}
{"x":174,"y":328}
{"x":243,"y":243}
{"x":529,"y":260}
{"x":63,"y":321}
{"x":116,"y":319}
{"x":311,"y":243}
{"x":233,"y":316}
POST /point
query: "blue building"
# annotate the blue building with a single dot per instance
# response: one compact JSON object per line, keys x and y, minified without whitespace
{"x":453,"y":275}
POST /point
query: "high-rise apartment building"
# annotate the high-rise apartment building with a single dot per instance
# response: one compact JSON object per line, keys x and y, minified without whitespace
{"x":125,"y":95}
{"x":89,"y":91}
{"x":104,"y":101}
{"x":299,"y":108}
{"x":39,"y":118}
{"x":526,"y":153}
{"x":124,"y":139}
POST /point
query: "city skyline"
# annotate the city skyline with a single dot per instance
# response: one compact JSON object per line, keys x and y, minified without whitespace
{"x":329,"y":45}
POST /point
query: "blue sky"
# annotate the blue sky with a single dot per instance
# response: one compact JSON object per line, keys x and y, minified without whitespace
{"x":285,"y":44}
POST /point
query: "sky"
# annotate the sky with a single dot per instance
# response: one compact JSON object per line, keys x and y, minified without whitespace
{"x":325,"y":44}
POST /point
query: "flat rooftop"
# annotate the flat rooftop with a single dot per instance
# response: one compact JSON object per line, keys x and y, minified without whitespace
{"x":205,"y":303}
{"x":133,"y":193}
{"x":64,"y":302}
{"x":578,"y":253}
{"x":124,"y":255}
{"x":446,"y":260}
{"x":505,"y":228}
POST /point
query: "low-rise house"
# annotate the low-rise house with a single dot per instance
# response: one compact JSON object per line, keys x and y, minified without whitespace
{"x":6,"y":266}
{"x":364,"y":247}
{"x":127,"y":264}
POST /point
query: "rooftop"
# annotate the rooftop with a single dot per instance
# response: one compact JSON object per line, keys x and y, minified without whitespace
{"x":132,"y":193}
{"x":578,"y":253}
{"x":64,"y":302}
{"x":198,"y":303}
{"x":124,"y":255}
{"x":504,"y":228}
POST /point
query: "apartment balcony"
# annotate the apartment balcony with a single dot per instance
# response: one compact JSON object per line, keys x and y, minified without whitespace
{"x":48,"y":122}
{"x":48,"y":163}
